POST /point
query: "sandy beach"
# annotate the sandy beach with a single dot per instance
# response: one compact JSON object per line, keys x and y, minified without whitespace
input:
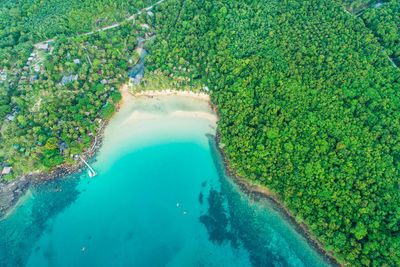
{"x":194,"y":110}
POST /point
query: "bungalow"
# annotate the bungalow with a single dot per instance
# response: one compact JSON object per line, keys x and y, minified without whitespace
{"x":63,"y":147}
{"x":10,"y":117}
{"x":6,"y":170}
{"x":77,"y":61}
{"x":43,"y":46}
{"x":68,"y":79}
{"x":3,"y":76}
{"x":136,"y":73}
{"x":36,"y":68}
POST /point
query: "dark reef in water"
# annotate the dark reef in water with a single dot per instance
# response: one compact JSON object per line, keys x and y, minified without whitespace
{"x":216,"y":220}
{"x":243,"y":228}
{"x":51,"y":198}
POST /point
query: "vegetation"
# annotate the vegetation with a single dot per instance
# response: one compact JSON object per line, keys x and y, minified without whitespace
{"x":309,"y":107}
{"x":384,"y":21}
{"x":29,"y":21}
{"x":308,"y":101}
{"x":159,"y":81}
{"x":25,"y":22}
{"x":356,"y":6}
{"x":57,"y":108}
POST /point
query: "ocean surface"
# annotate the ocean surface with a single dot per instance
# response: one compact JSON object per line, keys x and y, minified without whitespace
{"x":161,"y":198}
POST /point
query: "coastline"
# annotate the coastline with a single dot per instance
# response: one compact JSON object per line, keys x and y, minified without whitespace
{"x":246,"y":185}
{"x":17,"y":188}
{"x":263,"y":191}
{"x":12,"y":191}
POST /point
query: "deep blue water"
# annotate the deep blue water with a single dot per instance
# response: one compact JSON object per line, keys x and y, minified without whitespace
{"x":165,"y":203}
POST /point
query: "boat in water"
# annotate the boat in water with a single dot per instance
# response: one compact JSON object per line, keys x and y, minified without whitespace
{"x":92,"y":173}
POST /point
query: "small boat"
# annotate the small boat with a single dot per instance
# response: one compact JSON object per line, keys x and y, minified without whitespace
{"x":90,"y":174}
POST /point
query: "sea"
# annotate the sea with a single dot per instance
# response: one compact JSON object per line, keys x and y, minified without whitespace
{"x":161,"y":198}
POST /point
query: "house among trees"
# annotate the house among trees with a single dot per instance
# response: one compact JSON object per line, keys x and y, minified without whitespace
{"x":68,"y":79}
{"x":136,"y":74}
{"x":3,"y":76}
{"x":63,"y":147}
{"x":10,"y":117}
{"x":6,"y":170}
{"x":43,"y":46}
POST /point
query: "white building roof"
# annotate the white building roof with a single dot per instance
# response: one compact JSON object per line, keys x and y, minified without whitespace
{"x":43,"y":46}
{"x":6,"y":170}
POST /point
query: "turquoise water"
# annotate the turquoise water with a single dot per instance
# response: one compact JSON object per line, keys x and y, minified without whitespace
{"x":161,"y":199}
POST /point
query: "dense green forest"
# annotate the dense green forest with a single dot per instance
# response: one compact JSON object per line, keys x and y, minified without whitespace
{"x":384,"y":21}
{"x":25,"y":22}
{"x":309,"y":107}
{"x":356,"y":6}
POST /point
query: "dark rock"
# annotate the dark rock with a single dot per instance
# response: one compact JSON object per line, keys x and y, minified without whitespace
{"x":10,"y":193}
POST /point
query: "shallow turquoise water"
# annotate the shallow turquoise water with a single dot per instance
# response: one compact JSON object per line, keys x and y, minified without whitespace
{"x":161,"y":199}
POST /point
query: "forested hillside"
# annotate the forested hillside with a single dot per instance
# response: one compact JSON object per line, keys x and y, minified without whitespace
{"x":309,"y":107}
{"x":356,"y":6}
{"x":384,"y":21}
{"x":25,"y":22}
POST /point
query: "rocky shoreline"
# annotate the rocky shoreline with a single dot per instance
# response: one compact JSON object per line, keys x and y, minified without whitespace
{"x":10,"y":192}
{"x":262,"y":191}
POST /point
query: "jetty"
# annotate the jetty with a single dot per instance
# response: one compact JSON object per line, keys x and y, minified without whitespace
{"x":92,"y":173}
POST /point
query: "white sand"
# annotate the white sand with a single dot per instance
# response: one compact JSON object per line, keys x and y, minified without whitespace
{"x":168,"y":103}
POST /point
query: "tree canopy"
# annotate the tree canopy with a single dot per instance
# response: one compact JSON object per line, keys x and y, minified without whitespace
{"x":309,"y":107}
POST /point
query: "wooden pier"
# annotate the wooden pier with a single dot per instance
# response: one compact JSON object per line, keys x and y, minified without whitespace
{"x":90,"y":168}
